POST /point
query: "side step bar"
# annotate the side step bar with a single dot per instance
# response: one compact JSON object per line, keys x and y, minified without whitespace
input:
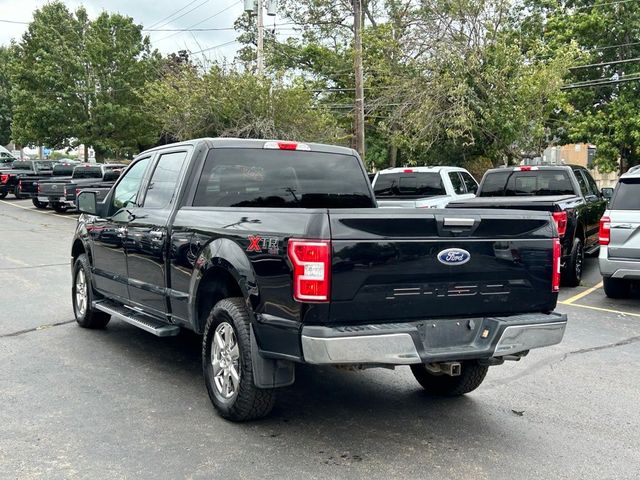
{"x":137,"y":319}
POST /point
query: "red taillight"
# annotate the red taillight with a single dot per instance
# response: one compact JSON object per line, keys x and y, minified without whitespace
{"x":604,"y":236}
{"x":311,"y":269}
{"x":4,"y":178}
{"x":561,"y":222}
{"x":524,"y":169}
{"x":408,"y":170}
{"x":557,"y":253}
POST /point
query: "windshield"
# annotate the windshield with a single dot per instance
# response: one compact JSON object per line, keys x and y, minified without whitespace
{"x":63,"y":169}
{"x":242,"y":177}
{"x":409,"y":185}
{"x":22,"y":165}
{"x":627,"y":196}
{"x":87,"y":172}
{"x":44,"y":165}
{"x":511,"y":183}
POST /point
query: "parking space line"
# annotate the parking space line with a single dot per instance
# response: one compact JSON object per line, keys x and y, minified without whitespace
{"x":580,"y":295}
{"x":36,"y":210}
{"x":608,"y":310}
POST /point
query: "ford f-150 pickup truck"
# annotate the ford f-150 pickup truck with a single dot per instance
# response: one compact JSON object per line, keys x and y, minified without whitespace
{"x":29,"y":186}
{"x":22,"y":170}
{"x":423,"y":187}
{"x":568,"y":192}
{"x":276,"y":254}
{"x":60,"y":193}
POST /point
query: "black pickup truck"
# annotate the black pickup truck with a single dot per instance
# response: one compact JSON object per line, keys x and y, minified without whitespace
{"x":22,"y":170}
{"x":29,"y":187}
{"x":276,"y":253}
{"x":60,"y":193}
{"x":569,"y":192}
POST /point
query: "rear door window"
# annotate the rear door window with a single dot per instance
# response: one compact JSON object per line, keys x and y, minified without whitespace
{"x":581,"y":182}
{"x":469,"y":182}
{"x":244,"y":177}
{"x":456,"y":181}
{"x":409,"y":185}
{"x":164,"y":181}
{"x":627,"y":195}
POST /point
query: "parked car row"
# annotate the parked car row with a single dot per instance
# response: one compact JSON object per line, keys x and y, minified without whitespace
{"x":55,"y":184}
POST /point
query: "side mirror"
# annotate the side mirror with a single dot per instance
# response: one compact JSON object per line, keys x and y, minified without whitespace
{"x":607,"y":193}
{"x":87,"y":202}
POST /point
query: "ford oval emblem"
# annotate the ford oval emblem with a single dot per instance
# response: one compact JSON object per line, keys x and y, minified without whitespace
{"x":454,"y":256}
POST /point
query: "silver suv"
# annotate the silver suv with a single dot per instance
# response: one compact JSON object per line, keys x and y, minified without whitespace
{"x":620,"y":237}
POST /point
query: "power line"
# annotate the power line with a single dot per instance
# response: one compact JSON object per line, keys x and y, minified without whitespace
{"x":214,"y":47}
{"x":202,"y":21}
{"x":174,"y":13}
{"x":604,"y":4}
{"x":15,"y":22}
{"x":602,"y":64}
{"x":601,"y":82}
{"x":203,"y":29}
{"x":186,"y":13}
{"x":615,"y":46}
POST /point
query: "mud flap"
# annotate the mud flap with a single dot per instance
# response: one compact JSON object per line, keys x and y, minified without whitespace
{"x":268,"y":372}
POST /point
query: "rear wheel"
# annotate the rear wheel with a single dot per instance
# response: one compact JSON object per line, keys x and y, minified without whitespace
{"x":471,"y":376}
{"x":616,"y":287}
{"x":38,"y":204}
{"x":2,"y":195}
{"x":572,"y":272}
{"x":59,"y":207}
{"x":227,"y":364}
{"x":82,"y":297}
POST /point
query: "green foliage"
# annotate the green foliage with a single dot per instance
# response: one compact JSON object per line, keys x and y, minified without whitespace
{"x":6,"y":108}
{"x":188,"y":104}
{"x":79,"y":81}
{"x":607,"y":115}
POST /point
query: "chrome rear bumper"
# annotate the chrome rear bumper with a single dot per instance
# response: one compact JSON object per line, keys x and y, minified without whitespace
{"x":412,"y":342}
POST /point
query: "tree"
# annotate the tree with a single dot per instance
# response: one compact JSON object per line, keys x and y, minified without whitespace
{"x":6,"y":109}
{"x":607,"y":115}
{"x":188,"y":104}
{"x":80,"y":81}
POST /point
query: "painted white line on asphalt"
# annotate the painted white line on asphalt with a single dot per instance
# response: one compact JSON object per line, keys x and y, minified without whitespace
{"x":36,"y":210}
{"x":580,"y":295}
{"x":608,"y":310}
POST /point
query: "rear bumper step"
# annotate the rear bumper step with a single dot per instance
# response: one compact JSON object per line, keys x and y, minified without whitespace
{"x":431,"y":340}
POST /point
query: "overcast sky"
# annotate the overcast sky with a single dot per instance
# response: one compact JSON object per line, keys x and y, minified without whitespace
{"x":148,"y":13}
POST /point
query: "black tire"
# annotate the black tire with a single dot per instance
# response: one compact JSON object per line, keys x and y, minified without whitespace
{"x":572,"y":272}
{"x":246,"y":402}
{"x":471,"y":376}
{"x":616,"y":287}
{"x":59,"y":207}
{"x":3,"y":195}
{"x":89,"y":318}
{"x":38,"y":204}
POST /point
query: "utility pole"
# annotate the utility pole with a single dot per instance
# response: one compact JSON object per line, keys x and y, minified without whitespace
{"x":359,"y":80}
{"x":260,"y":50}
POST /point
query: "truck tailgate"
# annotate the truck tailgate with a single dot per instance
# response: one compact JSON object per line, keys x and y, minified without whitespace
{"x":440,"y":263}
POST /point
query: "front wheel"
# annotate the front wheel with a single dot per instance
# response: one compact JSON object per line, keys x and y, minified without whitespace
{"x":38,"y":204}
{"x":572,"y":272}
{"x":82,"y":297}
{"x":227,"y":364}
{"x":471,"y":376}
{"x":616,"y":287}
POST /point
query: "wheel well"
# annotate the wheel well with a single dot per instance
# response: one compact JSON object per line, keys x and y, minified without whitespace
{"x":580,"y":232}
{"x":77,"y":249}
{"x":216,"y":285}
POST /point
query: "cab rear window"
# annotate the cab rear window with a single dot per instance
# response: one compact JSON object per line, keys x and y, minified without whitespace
{"x":87,"y":172}
{"x":627,"y":195}
{"x":244,"y":177}
{"x":512,"y":183}
{"x":409,"y":185}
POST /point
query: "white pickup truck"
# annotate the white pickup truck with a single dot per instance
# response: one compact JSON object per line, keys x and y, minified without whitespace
{"x":423,"y":187}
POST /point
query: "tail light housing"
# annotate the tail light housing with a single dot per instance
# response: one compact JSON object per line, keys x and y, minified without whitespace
{"x":561,"y":222}
{"x":557,"y":253}
{"x":271,"y":145}
{"x":604,"y":236}
{"x":4,"y":178}
{"x":311,"y":260}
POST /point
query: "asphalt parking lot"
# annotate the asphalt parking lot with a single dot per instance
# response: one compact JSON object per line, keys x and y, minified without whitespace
{"x":121,"y":403}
